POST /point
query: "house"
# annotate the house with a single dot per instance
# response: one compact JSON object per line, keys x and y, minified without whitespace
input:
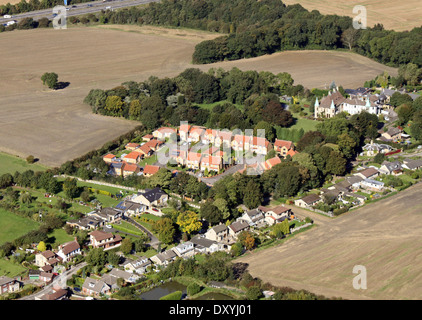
{"x":150,"y":170}
{"x":178,"y":157}
{"x":203,"y":245}
{"x":412,"y":164}
{"x":209,"y":136}
{"x":211,"y":163}
{"x":184,"y":250}
{"x":282,"y":147}
{"x":154,"y":144}
{"x":238,"y":227}
{"x":46,"y":257}
{"x":193,"y":160}
{"x":147,"y":137}
{"x":86,"y":223}
{"x":394,"y":168}
{"x":164,"y":258}
{"x":195,"y":134}
{"x":151,"y":198}
{"x":46,"y":277}
{"x":223,"y":137}
{"x":368,"y":173}
{"x":372,"y":149}
{"x":106,"y":240}
{"x":132,"y":157}
{"x":144,"y":151}
{"x":163,"y":133}
{"x":127,"y":276}
{"x":116,"y":168}
{"x":184,"y":130}
{"x":109,"y":158}
{"x":131,"y":208}
{"x":95,"y":287}
{"x":130,"y":169}
{"x":68,"y":250}
{"x":132,"y":146}
{"x":260,"y":145}
{"x":308,"y":201}
{"x":239,"y":142}
{"x":217,"y":233}
{"x":268,"y":164}
{"x":138,"y":266}
{"x":254,"y":217}
{"x":8,"y":285}
{"x":372,"y":185}
{"x":56,"y":294}
{"x":392,"y":134}
{"x":108,"y":215}
{"x":354,"y":182}
{"x":276,"y":214}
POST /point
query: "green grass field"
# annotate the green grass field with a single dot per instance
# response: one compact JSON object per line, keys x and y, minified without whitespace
{"x":11,"y":164}
{"x":10,"y":269}
{"x":14,"y":226}
{"x":306,"y":124}
{"x":58,"y":236}
{"x":210,"y":106}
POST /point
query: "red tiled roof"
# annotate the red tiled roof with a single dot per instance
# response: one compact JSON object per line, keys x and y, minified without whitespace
{"x":109,"y":156}
{"x":132,"y":155}
{"x":283,"y":143}
{"x":150,"y":169}
{"x":130,"y":167}
{"x":132,"y":145}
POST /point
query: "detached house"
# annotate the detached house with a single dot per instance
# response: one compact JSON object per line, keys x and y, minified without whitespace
{"x":8,"y":285}
{"x":132,"y":146}
{"x":151,"y":198}
{"x":184,"y":130}
{"x":184,"y":250}
{"x":217,"y":233}
{"x":282,"y":147}
{"x":130,"y":169}
{"x":368,"y":173}
{"x":163,"y":133}
{"x":68,"y":250}
{"x":109,"y":158}
{"x":238,"y":227}
{"x":204,"y":245}
{"x":46,"y":258}
{"x":150,"y":170}
{"x":196,"y":134}
{"x":106,"y":240}
{"x":260,"y":145}
{"x":276,"y":214}
{"x":393,"y":168}
{"x":139,"y":265}
{"x":392,"y":134}
{"x":94,"y":287}
{"x":254,"y":217}
{"x":132,"y":157}
{"x":164,"y":258}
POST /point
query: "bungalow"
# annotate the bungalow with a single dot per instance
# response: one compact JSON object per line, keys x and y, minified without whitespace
{"x":68,"y":250}
{"x":132,"y":157}
{"x":150,"y":170}
{"x":130,"y":169}
{"x":412,"y":164}
{"x":211,"y":163}
{"x":131,"y":208}
{"x":94,"y":287}
{"x":254,"y":217}
{"x":164,"y":258}
{"x":108,"y":215}
{"x":308,"y":201}
{"x":184,"y":250}
{"x":282,"y":147}
{"x":106,"y":240}
{"x":368,"y":173}
{"x":127,"y":276}
{"x":237,"y":227}
{"x":372,"y":185}
{"x":138,"y":266}
{"x":151,"y":198}
{"x":184,"y":130}
{"x":394,"y":168}
{"x":109,"y":158}
{"x":204,"y":245}
{"x":193,"y":160}
{"x":163,"y":133}
{"x":86,"y":223}
{"x":8,"y":285}
{"x":132,"y":146}
{"x":217,"y":233}
{"x":372,"y":149}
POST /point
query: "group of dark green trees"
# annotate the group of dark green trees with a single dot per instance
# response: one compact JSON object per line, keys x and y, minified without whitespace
{"x":246,"y":99}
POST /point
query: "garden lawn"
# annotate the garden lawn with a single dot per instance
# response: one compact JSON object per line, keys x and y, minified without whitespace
{"x":11,"y":164}
{"x":10,"y":269}
{"x":14,"y":226}
{"x":306,"y":124}
{"x":59,"y":236}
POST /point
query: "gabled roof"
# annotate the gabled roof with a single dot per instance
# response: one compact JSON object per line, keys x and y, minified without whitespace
{"x":219,"y":228}
{"x":132,"y":155}
{"x":109,"y":156}
{"x":101,"y":235}
{"x":283,"y":143}
{"x":194,"y":156}
{"x":132,"y":145}
{"x":368,"y":172}
{"x":212,"y":160}
{"x":153,"y":194}
{"x":239,"y":226}
{"x":130,"y":167}
{"x":309,"y":199}
{"x":150,"y":169}
{"x":70,"y":247}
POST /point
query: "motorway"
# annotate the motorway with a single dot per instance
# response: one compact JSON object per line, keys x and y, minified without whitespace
{"x":78,"y":9}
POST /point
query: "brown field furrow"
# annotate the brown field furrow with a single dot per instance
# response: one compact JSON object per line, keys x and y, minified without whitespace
{"x":385,"y":237}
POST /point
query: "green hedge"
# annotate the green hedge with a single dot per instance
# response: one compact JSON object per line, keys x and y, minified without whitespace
{"x":177,"y":295}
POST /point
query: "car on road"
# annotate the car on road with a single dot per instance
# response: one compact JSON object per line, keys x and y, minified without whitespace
{"x":108,"y":226}
{"x":156,"y":210}
{"x":108,"y":8}
{"x":89,"y":5}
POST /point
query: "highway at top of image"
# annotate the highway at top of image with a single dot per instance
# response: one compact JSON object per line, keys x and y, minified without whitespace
{"x":78,"y":9}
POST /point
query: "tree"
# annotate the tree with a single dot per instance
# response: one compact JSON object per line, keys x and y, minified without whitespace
{"x":336,"y":164}
{"x":70,"y":188}
{"x":41,"y":247}
{"x":96,"y":257}
{"x":253,"y":293}
{"x":126,"y":246}
{"x":253,"y":195}
{"x":346,"y":145}
{"x":30,"y":159}
{"x":188,"y":222}
{"x":114,"y":105}
{"x":165,"y":229}
{"x":210,"y":212}
{"x":349,"y":37}
{"x":193,"y":289}
{"x":247,"y":240}
{"x":50,"y":79}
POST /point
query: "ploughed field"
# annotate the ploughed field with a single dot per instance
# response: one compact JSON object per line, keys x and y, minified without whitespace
{"x":385,"y":237}
{"x":55,"y":126}
{"x":396,"y":15}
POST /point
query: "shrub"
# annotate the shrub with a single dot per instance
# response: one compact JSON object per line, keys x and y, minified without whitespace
{"x":177,"y":295}
{"x":193,"y":289}
{"x":253,"y":293}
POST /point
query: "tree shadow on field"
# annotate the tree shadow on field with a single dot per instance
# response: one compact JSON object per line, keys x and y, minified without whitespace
{"x":61,"y":85}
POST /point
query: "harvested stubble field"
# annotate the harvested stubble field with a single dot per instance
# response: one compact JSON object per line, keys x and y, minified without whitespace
{"x":396,"y":15}
{"x":55,"y":126}
{"x":385,"y":237}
